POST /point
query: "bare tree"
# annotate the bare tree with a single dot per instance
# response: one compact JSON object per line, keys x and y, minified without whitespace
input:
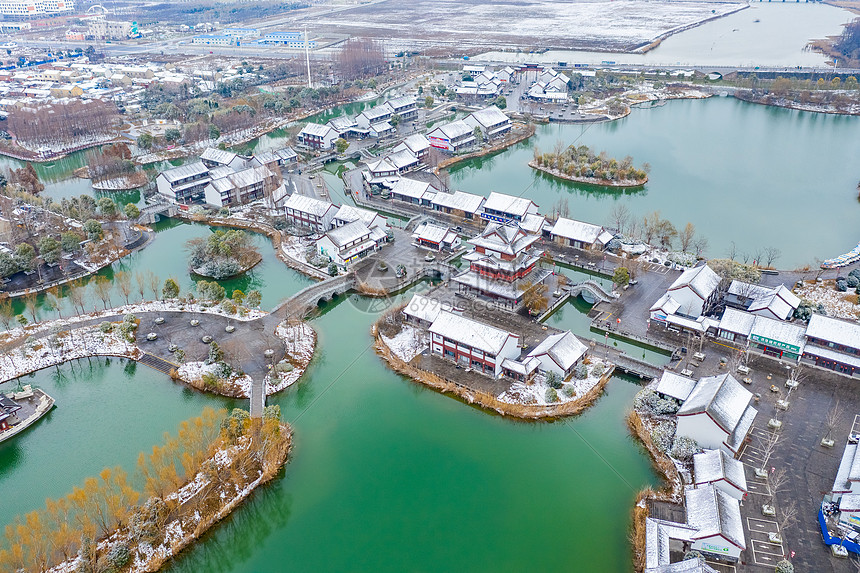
{"x":776,"y":482}
{"x":732,"y":252}
{"x":700,"y":245}
{"x":123,"y":284}
{"x":787,"y":517}
{"x":102,"y":287}
{"x":832,"y":419}
{"x":771,"y":255}
{"x":686,"y":236}
{"x":31,"y":303}
{"x":154,"y":283}
{"x":757,"y":256}
{"x":768,"y":447}
{"x":619,"y":215}
{"x":140,"y":279}
{"x":7,"y":312}
{"x":76,"y":295}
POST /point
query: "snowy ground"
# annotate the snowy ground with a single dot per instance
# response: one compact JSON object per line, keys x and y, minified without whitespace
{"x":834,"y":302}
{"x":152,"y":306}
{"x":296,"y":248}
{"x":300,"y":340}
{"x":558,"y":23}
{"x":408,"y":343}
{"x":63,"y":346}
{"x":535,"y":393}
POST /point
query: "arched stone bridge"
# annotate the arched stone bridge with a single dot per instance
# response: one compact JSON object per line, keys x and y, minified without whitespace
{"x":592,"y":288}
{"x":307,"y":299}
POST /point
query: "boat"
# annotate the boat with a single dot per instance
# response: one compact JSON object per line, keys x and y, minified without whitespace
{"x":851,"y":256}
{"x":20,"y":410}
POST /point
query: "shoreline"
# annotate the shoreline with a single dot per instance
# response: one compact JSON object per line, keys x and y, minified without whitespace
{"x":797,"y":106}
{"x":668,"y":472}
{"x":481,"y":399}
{"x":530,"y":129}
{"x":588,"y":180}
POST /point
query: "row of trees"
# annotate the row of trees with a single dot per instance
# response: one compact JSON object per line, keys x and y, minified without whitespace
{"x":75,"y":524}
{"x":583,"y":162}
{"x":64,"y":123}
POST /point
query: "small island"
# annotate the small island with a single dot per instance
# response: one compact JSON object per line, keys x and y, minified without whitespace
{"x":582,"y":165}
{"x":223,"y":255}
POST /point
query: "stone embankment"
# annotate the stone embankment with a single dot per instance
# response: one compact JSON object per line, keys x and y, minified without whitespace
{"x":521,"y":133}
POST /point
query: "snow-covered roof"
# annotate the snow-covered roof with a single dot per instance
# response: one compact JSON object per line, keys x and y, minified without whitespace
{"x":748,"y":290}
{"x":524,"y":368}
{"x":398,"y":103}
{"x":703,"y":280}
{"x":471,"y":332}
{"x":381,"y":166}
{"x":434,"y":233}
{"x":416,"y":142}
{"x":185,"y":171}
{"x":490,"y":116}
{"x":692,"y":565}
{"x":779,"y":331}
{"x":341,"y":123}
{"x":715,"y":465}
{"x":850,"y":502}
{"x":453,"y":130}
{"x":316,"y":129}
{"x":412,"y":188}
{"x":576,"y":230}
{"x":306,"y":204}
{"x":402,"y":159}
{"x":532,"y":223}
{"x":714,"y":512}
{"x":350,"y":232}
{"x":742,"y":428}
{"x":509,"y":204}
{"x":459,"y":201}
{"x":737,"y":321}
{"x":834,"y":330}
{"x":508,"y":239}
{"x":847,"y":470}
{"x":376,"y":112}
{"x":425,"y":308}
{"x":829,"y":354}
{"x":381,"y":126}
{"x":701,"y":324}
{"x":658,"y":533}
{"x":348,"y":214}
{"x":675,"y":385}
{"x":666,"y":303}
{"x":563,"y":348}
{"x":722,"y":397}
{"x":220,"y":156}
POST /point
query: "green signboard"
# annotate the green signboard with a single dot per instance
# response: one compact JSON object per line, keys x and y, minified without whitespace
{"x":774,"y":343}
{"x":134,"y":28}
{"x":714,"y":548}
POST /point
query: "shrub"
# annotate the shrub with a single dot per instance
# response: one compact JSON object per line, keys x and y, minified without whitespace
{"x":215,"y":353}
{"x":235,"y":424}
{"x":662,"y":435}
{"x":552,"y":380}
{"x":648,"y":402}
{"x":569,"y":391}
{"x":551,"y":395}
{"x":684,"y":448}
{"x":841,"y":284}
{"x":784,"y":566}
{"x":210,"y":381}
{"x":332,"y":269}
{"x":105,"y":327}
{"x":145,"y":523}
{"x":118,"y":556}
{"x":598,"y":370}
{"x":692,"y":554}
{"x":855,"y":273}
{"x":852,"y":281}
{"x":580,"y":371}
{"x":223,"y":370}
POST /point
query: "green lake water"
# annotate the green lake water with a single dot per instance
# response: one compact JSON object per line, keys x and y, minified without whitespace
{"x":166,"y":257}
{"x":385,"y":474}
{"x":756,"y":175}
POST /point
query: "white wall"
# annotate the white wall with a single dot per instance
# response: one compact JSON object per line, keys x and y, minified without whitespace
{"x":704,"y":430}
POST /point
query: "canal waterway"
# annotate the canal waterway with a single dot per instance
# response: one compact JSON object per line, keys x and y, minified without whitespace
{"x":166,"y":257}
{"x":754,"y":175}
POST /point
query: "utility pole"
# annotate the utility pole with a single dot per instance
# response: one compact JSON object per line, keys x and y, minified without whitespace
{"x":308,"y":56}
